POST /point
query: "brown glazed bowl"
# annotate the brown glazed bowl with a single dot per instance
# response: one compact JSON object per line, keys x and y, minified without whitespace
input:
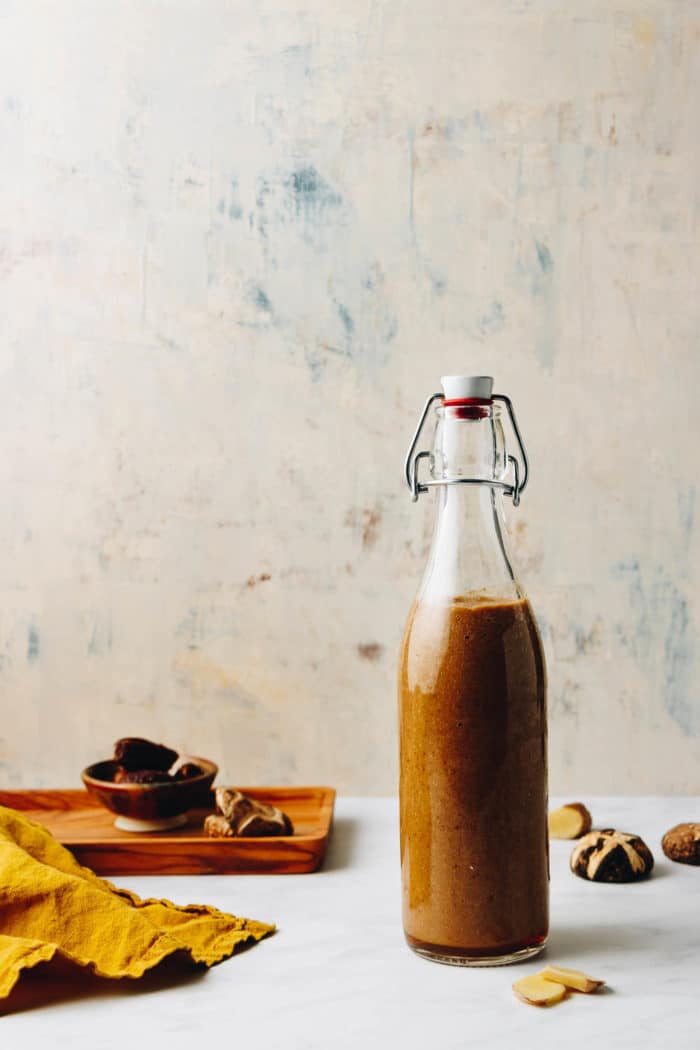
{"x":149,"y":807}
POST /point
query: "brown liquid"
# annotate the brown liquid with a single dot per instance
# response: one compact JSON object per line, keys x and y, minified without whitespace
{"x":474,"y":854}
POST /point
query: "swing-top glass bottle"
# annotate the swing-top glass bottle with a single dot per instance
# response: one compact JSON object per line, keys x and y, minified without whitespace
{"x":473,"y":767}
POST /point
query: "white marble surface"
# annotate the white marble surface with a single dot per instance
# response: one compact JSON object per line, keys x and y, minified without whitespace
{"x":338,"y":974}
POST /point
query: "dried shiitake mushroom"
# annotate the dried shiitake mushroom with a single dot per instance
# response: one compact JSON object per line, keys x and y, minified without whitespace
{"x":218,"y":826}
{"x":188,"y":770}
{"x":682,"y":843}
{"x":246,"y":817}
{"x":133,"y":752}
{"x":611,"y":856}
{"x":140,"y":776}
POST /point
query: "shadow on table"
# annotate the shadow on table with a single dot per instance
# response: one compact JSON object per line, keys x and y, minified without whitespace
{"x":579,"y":941}
{"x":341,"y":845}
{"x":59,"y":981}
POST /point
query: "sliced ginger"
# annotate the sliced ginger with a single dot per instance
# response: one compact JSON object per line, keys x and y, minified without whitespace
{"x":536,"y":991}
{"x":552,"y":984}
{"x":580,"y":982}
{"x":569,"y":821}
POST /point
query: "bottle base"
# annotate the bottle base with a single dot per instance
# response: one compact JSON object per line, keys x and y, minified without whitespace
{"x":465,"y":957}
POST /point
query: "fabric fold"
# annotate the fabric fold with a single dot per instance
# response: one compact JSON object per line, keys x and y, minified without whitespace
{"x":50,"y":904}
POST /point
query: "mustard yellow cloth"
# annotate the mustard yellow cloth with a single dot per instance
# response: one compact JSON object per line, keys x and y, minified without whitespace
{"x":51,"y":905}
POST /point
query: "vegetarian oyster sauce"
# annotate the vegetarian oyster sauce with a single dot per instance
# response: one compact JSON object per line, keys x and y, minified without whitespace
{"x":474,"y":851}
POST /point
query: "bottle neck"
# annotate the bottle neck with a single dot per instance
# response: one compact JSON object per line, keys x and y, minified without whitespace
{"x":468,"y":554}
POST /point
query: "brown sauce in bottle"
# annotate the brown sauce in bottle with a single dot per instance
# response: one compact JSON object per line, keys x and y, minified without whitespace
{"x":474,"y":852}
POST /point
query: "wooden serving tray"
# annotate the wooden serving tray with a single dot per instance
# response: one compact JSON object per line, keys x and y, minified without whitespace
{"x":78,"y":821}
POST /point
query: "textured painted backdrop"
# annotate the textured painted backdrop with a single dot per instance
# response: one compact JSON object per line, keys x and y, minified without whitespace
{"x":239,"y":243}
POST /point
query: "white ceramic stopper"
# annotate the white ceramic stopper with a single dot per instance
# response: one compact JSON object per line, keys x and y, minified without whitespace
{"x":456,"y":388}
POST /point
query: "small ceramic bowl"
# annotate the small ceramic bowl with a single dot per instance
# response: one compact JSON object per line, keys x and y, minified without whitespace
{"x":149,"y":807}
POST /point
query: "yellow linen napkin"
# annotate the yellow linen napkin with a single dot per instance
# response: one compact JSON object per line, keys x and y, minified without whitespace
{"x":50,"y":904}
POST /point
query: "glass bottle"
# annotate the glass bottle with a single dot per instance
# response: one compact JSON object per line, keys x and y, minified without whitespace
{"x":473,"y":762}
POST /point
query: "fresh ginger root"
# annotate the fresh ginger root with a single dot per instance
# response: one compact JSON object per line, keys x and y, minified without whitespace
{"x":536,"y":991}
{"x":552,"y":984}
{"x":569,"y":821}
{"x":580,"y":982}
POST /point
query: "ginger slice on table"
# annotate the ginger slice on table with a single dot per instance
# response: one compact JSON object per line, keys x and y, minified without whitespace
{"x":580,"y":982}
{"x":537,"y":991}
{"x":569,"y":821}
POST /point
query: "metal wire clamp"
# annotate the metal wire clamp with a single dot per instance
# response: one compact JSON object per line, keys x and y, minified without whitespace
{"x":520,"y":468}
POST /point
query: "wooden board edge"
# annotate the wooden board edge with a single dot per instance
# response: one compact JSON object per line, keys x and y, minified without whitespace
{"x":301,"y":854}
